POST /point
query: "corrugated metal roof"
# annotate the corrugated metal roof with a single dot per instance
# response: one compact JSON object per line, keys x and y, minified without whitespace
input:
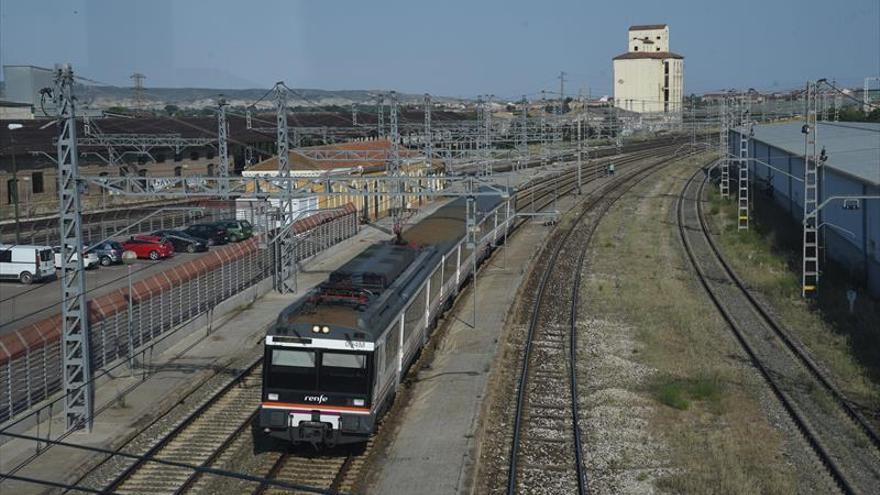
{"x":852,"y":147}
{"x":646,"y":27}
{"x":655,"y":55}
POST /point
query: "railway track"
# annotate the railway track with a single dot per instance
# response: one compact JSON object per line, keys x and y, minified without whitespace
{"x":844,"y":443}
{"x":323,"y":470}
{"x":536,"y":196}
{"x":546,"y":446}
{"x":204,"y":437}
{"x":198,"y":439}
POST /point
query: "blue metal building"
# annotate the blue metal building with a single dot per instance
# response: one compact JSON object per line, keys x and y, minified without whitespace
{"x":851,"y":229}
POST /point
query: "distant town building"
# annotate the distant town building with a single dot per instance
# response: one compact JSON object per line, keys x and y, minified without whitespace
{"x":23,"y":85}
{"x":648,"y":78}
{"x":22,"y":98}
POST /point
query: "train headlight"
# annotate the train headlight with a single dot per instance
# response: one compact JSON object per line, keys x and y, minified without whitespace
{"x":272,"y":396}
{"x":358,"y":402}
{"x":316,"y":329}
{"x":326,"y":329}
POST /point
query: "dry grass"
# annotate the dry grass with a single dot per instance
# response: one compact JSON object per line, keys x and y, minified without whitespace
{"x":706,"y":411}
{"x":754,"y":257}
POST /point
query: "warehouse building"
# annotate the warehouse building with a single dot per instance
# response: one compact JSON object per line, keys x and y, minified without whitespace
{"x":305,"y":168}
{"x":850,"y":227}
{"x":649,"y":78}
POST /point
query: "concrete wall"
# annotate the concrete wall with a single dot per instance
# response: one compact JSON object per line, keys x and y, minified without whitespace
{"x":639,"y":84}
{"x":854,"y":239}
{"x":659,"y":40}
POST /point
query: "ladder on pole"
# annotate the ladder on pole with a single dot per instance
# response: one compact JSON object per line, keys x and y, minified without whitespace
{"x":810,"y":278}
{"x":743,"y":181}
{"x":725,"y":152}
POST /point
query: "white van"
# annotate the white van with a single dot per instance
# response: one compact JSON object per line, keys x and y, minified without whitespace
{"x":26,"y":263}
{"x":91,"y":259}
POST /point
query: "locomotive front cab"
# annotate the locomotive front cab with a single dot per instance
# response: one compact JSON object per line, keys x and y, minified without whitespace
{"x":315,"y":394}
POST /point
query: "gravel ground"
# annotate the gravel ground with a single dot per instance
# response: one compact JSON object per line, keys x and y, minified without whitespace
{"x":100,"y":476}
{"x":545,"y":460}
{"x":622,"y":453}
{"x":632,"y":338}
{"x":858,"y":458}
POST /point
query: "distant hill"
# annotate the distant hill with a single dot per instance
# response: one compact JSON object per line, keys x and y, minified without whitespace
{"x":104,"y":97}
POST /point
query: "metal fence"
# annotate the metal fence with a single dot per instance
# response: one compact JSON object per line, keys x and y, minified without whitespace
{"x":125,"y":323}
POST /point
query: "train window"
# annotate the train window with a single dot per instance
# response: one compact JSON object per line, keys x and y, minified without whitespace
{"x":302,"y":359}
{"x":344,"y":360}
{"x":292,"y":370}
{"x":344,"y":373}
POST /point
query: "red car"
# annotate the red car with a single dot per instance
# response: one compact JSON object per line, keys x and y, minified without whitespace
{"x":148,"y":246}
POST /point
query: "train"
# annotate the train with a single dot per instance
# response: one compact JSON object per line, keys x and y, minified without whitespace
{"x":334,"y":360}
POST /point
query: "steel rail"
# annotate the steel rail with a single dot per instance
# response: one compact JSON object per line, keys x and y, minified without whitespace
{"x":784,"y":335}
{"x":279,"y":464}
{"x":624,"y":184}
{"x":785,"y":400}
{"x":188,"y":420}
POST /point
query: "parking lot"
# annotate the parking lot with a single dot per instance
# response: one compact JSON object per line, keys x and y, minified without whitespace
{"x":22,"y":304}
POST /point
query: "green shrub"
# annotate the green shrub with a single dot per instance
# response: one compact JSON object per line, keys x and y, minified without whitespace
{"x":679,"y":392}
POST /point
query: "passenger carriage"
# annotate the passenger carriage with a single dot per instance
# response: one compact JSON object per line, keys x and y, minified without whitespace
{"x":334,"y":359}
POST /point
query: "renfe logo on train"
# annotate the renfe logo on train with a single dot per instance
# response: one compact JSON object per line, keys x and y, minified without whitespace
{"x":320,"y":399}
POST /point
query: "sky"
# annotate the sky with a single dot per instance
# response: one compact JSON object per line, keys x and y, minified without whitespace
{"x":446,"y":47}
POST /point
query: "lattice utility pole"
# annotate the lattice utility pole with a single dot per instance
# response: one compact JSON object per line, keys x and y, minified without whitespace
{"x":286,"y":247}
{"x":78,"y":386}
{"x":618,"y":144}
{"x":380,"y":115}
{"x":429,"y":136}
{"x":838,"y":102}
{"x":523,"y":145}
{"x":824,"y":96}
{"x":543,"y":131}
{"x":580,"y":149}
{"x":866,"y":99}
{"x":810,"y":268}
{"x":561,"y":106}
{"x":393,"y":168}
{"x":222,"y":148}
{"x":354,"y":114}
{"x":723,"y":148}
{"x":745,"y":131}
{"x":486,"y":141}
{"x":138,"y":79}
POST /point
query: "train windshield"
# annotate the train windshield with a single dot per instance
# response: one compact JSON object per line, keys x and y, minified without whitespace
{"x":319,"y":371}
{"x":344,"y":373}
{"x":293,"y":369}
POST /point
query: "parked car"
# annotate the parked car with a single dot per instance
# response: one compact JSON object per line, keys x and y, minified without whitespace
{"x":26,"y":263}
{"x":237,"y":230}
{"x":211,"y":233}
{"x":108,"y":252}
{"x":147,"y":246}
{"x":90,"y":260}
{"x":182,"y":241}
